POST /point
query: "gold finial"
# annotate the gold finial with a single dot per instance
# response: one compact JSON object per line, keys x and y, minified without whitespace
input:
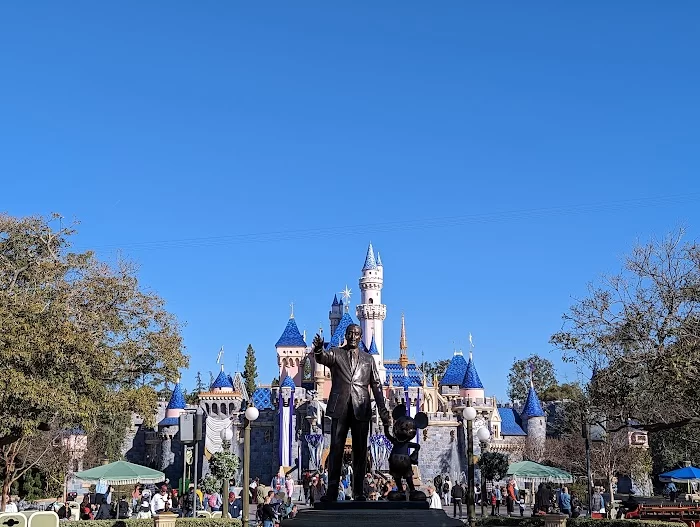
{"x":391,"y":380}
{"x":403,"y":343}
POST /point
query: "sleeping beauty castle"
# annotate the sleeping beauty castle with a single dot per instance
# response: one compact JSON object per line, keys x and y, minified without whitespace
{"x":293,"y":430}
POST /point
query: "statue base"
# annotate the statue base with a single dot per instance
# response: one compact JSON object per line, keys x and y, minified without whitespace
{"x":372,"y":514}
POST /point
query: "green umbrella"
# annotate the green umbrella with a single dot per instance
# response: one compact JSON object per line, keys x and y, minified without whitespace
{"x":531,"y":472}
{"x":122,"y":473}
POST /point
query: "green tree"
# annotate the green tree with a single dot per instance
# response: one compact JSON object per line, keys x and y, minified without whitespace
{"x":250,"y":370}
{"x":199,"y":385}
{"x":541,"y":370}
{"x":223,"y":466}
{"x":638,"y":331}
{"x":191,"y":397}
{"x":493,"y":465}
{"x":275,"y":382}
{"x":432,"y":369}
{"x":78,"y":338}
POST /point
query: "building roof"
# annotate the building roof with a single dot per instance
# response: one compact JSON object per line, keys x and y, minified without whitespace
{"x":335,"y":300}
{"x":239,"y":385}
{"x":454,"y":373}
{"x":373,"y":347}
{"x":532,"y":407}
{"x":169,"y":421}
{"x":510,"y":422}
{"x":291,"y":336}
{"x":370,"y":262}
{"x":222,"y":381}
{"x":177,"y":399}
{"x":471,"y":377}
{"x":396,"y":372}
{"x":379,"y":260}
{"x":262,"y":399}
{"x":339,"y":333}
{"x":288,"y":382}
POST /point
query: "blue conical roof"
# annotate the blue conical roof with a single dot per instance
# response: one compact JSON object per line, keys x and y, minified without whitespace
{"x":454,"y":374}
{"x":335,"y":300}
{"x":370,"y":262}
{"x":291,"y":336}
{"x":373,"y":347}
{"x":471,"y":377}
{"x":339,"y":333}
{"x":532,"y":408}
{"x":379,"y":260}
{"x":288,"y":383}
{"x":222,"y":381}
{"x":177,"y":399}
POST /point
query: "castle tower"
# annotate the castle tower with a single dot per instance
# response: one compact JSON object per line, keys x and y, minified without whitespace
{"x":371,"y":312}
{"x":534,"y":419}
{"x":471,"y":384}
{"x":170,"y":460}
{"x":291,"y":350}
{"x":335,"y":314}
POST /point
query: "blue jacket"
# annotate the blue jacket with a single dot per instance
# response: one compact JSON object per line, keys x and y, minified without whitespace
{"x":565,"y":501}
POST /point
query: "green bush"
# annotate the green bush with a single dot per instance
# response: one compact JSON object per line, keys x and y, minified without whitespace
{"x":538,"y":521}
{"x":181,"y":522}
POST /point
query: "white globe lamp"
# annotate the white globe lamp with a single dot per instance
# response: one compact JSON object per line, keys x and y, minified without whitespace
{"x":252,"y":413}
{"x":483,"y":434}
{"x":227,"y":434}
{"x":469,"y":413}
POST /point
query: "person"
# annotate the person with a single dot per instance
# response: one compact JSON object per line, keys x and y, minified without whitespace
{"x":289,"y":487}
{"x":492,"y":497}
{"x":457,"y":495}
{"x":85,"y":508}
{"x":267,"y":514}
{"x":143,"y":511}
{"x":235,"y":507}
{"x":598,"y":502}
{"x":434,"y":498}
{"x":446,"y":489}
{"x":672,"y":491}
{"x":160,"y":502}
{"x":353,"y":373}
{"x":521,"y":506}
{"x":215,"y":501}
{"x":541,"y":500}
{"x":565,"y":502}
{"x":317,"y":490}
{"x":305,"y":485}
{"x":510,"y":497}
{"x":437,"y":480}
{"x":499,"y":497}
{"x":10,"y":505}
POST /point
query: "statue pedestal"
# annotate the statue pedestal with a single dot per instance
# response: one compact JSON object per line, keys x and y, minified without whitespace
{"x":372,"y":514}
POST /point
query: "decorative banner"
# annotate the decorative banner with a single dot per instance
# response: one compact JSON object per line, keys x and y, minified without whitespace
{"x":380,"y":448}
{"x":315,"y":444}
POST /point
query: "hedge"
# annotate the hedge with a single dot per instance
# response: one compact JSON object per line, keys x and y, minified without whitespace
{"x":538,"y":521}
{"x":181,"y":522}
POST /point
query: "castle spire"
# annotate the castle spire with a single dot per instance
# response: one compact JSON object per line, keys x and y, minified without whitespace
{"x":403,"y":345}
{"x":370,"y":262}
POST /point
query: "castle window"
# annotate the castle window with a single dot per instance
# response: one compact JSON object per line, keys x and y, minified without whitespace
{"x":223,"y":408}
{"x":371,"y":300}
{"x":206,"y":406}
{"x":215,"y":409}
{"x":231,"y":408}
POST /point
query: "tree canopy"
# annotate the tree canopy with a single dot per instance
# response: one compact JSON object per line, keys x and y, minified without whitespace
{"x":250,"y":370}
{"x":639,"y":332}
{"x":78,"y":337}
{"x":493,"y":465}
{"x":540,"y":369}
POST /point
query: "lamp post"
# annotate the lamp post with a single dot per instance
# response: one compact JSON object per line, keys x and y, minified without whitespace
{"x":469,"y":414}
{"x":483,"y":435}
{"x":251,"y":414}
{"x":226,"y":437}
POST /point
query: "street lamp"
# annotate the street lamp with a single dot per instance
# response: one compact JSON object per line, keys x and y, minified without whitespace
{"x":483,"y":435}
{"x":226,"y":437}
{"x":469,"y":414}
{"x":251,"y":414}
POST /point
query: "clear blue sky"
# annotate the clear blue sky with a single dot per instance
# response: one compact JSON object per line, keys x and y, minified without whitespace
{"x":556,"y":133}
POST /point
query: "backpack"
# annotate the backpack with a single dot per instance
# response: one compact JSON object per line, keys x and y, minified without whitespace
{"x":446,"y":487}
{"x":212,"y":500}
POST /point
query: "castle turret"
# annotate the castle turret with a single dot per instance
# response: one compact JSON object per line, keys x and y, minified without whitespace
{"x":291,"y":350}
{"x":533,"y":416}
{"x":471,"y":384}
{"x":335,"y":314}
{"x":371,"y":312}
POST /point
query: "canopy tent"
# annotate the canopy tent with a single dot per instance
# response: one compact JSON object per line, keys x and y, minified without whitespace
{"x":681,"y":475}
{"x":531,"y":472}
{"x":122,"y":473}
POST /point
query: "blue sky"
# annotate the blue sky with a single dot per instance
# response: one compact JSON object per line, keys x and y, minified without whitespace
{"x":499,"y":155}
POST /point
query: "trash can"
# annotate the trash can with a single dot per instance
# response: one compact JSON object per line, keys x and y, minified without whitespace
{"x":12,"y":519}
{"x":555,"y":520}
{"x":165,"y":519}
{"x":41,"y":518}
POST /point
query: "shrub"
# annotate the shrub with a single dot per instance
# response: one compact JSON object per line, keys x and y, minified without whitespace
{"x":181,"y":522}
{"x":538,"y":521}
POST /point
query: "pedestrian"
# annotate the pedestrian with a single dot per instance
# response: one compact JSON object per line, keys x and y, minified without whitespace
{"x":598,"y":501}
{"x":434,"y":498}
{"x":446,"y":490}
{"x":565,"y":502}
{"x":305,"y":485}
{"x":457,"y":494}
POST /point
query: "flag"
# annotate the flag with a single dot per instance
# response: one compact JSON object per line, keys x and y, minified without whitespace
{"x":221,"y":354}
{"x":470,"y":340}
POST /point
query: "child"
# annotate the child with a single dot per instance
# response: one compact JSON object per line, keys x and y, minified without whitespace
{"x":521,"y":503}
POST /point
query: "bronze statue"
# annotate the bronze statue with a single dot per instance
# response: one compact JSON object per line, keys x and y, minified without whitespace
{"x":349,"y":408}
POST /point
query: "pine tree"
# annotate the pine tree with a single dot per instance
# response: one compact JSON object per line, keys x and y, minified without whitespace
{"x":250,"y":371}
{"x":211,"y":378}
{"x":199,"y":386}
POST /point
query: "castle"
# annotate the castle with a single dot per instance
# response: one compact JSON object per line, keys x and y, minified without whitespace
{"x":292,"y":428}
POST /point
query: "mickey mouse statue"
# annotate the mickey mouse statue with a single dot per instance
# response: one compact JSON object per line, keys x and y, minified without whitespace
{"x":400,"y":462}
